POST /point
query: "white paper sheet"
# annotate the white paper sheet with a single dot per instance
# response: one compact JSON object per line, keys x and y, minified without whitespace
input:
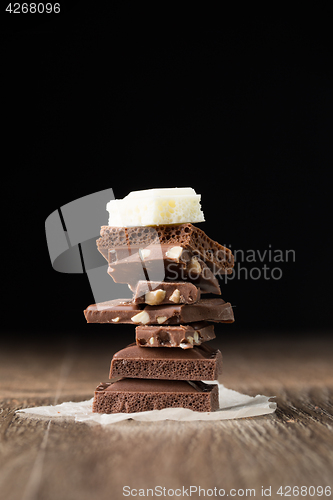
{"x":232,"y":405}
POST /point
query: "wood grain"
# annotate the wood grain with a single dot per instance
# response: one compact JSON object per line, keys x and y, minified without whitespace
{"x":60,"y":460}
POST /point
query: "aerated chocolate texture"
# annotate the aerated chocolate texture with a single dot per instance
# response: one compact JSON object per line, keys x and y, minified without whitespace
{"x":200,"y":363}
{"x":190,"y":237}
{"x":135,"y":395}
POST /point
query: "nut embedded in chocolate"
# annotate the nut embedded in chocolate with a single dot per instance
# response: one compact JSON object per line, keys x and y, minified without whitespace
{"x":161,"y":265}
{"x":181,"y":292}
{"x":190,"y":237}
{"x":155,"y":297}
{"x":214,"y":309}
{"x":184,"y":336}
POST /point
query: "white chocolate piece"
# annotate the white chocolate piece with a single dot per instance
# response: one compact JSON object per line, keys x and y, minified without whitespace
{"x":115,"y":320}
{"x":151,"y":207}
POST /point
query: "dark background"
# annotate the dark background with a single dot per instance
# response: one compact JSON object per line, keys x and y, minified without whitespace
{"x":239,"y":108}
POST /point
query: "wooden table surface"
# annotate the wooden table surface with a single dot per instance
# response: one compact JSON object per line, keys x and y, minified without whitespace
{"x":62,"y":460}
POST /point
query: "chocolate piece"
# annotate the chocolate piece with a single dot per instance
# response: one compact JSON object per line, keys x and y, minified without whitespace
{"x":134,"y":395}
{"x":112,"y":311}
{"x":164,"y":263}
{"x":152,"y":252}
{"x":163,"y":292}
{"x":204,"y":310}
{"x":123,"y":311}
{"x":200,"y":363}
{"x":184,"y":336}
{"x":189,"y":237}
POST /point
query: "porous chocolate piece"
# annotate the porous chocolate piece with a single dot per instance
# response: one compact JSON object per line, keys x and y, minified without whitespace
{"x":163,"y":292}
{"x":189,"y":237}
{"x":184,"y":336}
{"x":200,"y":363}
{"x":134,"y":395}
{"x":124,"y":311}
{"x":164,"y":263}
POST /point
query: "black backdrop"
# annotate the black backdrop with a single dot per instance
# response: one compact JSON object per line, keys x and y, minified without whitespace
{"x":238,"y":109}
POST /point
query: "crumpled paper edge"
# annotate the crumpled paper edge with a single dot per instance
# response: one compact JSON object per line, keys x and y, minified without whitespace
{"x":232,"y":404}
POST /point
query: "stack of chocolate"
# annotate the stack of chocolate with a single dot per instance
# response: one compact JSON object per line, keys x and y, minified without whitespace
{"x":169,"y":268}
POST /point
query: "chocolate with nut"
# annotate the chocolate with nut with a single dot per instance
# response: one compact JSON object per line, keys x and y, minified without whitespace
{"x":164,"y":263}
{"x":163,"y":292}
{"x":189,"y":237}
{"x":183,"y":336}
{"x":124,"y":311}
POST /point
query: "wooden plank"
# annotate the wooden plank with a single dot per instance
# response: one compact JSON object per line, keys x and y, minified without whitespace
{"x":56,"y":460}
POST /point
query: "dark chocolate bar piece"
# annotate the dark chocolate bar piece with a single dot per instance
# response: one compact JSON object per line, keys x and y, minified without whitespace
{"x":164,"y":263}
{"x":124,"y":311}
{"x":134,"y":395}
{"x":189,"y":237}
{"x":183,"y":336}
{"x":200,"y":363}
{"x":163,"y":292}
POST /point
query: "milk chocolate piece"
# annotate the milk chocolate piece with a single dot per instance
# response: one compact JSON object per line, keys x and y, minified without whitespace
{"x":184,"y":336}
{"x":200,"y":363}
{"x":204,"y":310}
{"x":112,"y":311}
{"x":124,"y":311}
{"x":189,"y":237}
{"x":164,"y":263}
{"x":163,"y":292}
{"x":134,"y":395}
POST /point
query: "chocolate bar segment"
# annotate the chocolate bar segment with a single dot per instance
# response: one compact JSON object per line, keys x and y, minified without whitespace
{"x":200,"y":363}
{"x":183,"y":336}
{"x":163,"y":292}
{"x":164,"y":263}
{"x":112,"y":311}
{"x":124,"y":311}
{"x":133,"y":395}
{"x":204,"y":310}
{"x":189,"y":237}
